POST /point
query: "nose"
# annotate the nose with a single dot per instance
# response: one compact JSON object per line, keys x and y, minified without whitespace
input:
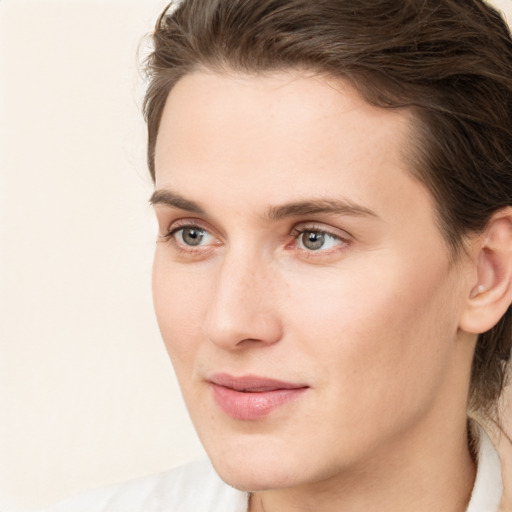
{"x":243,"y":309}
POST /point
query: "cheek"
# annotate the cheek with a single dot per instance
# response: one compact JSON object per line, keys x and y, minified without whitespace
{"x":176,"y":296}
{"x":374,"y":332}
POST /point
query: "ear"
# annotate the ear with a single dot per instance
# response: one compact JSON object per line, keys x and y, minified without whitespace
{"x":490,"y":290}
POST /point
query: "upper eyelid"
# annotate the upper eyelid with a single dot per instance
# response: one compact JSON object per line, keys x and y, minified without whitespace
{"x":184,"y":223}
{"x":175,"y":226}
{"x":321,"y":228}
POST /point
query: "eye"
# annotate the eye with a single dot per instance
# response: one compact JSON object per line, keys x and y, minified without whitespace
{"x":317,"y":240}
{"x":191,"y":236}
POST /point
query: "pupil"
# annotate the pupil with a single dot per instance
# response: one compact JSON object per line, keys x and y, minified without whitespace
{"x":192,"y":236}
{"x":313,"y":240}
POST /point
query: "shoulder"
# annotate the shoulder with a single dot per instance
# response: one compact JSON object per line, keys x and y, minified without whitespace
{"x":191,"y":488}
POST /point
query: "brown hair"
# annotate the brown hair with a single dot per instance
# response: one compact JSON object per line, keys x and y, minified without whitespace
{"x":450,"y":61}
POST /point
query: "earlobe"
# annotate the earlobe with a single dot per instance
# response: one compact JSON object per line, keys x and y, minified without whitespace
{"x":490,"y":293}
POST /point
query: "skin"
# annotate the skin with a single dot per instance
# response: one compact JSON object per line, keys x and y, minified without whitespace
{"x":370,"y":321}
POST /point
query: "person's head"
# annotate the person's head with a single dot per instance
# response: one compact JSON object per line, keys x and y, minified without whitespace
{"x":261,"y":115}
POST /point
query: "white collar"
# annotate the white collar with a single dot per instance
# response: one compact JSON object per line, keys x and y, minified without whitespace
{"x":488,"y":488}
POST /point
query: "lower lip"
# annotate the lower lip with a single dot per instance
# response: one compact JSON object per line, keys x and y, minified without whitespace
{"x":252,"y":406}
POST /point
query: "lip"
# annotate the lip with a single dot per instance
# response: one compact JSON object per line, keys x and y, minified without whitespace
{"x":251,"y":397}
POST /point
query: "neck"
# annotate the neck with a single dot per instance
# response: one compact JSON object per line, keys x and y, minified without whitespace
{"x":417,"y":472}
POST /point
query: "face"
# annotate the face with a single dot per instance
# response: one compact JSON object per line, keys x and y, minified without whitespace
{"x":303,"y":289}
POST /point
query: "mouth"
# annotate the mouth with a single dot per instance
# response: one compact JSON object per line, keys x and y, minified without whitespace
{"x":252,"y":397}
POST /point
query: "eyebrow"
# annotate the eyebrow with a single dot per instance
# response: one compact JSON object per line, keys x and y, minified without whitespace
{"x":168,"y":198}
{"x":317,"y":206}
{"x":274,"y":213}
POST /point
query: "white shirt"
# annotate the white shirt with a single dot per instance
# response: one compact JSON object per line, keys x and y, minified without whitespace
{"x":197,"y":488}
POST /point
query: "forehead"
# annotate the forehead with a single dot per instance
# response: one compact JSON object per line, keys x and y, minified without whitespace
{"x":288,"y":133}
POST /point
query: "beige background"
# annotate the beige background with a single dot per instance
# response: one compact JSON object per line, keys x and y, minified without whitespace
{"x":87,"y":395}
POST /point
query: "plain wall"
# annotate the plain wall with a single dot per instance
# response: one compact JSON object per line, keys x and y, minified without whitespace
{"x":87,"y":394}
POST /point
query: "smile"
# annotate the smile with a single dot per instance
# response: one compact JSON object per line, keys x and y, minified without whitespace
{"x":251,"y":397}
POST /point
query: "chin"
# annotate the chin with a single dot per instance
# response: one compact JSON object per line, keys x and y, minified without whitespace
{"x":254,"y":466}
{"x":249,"y":477}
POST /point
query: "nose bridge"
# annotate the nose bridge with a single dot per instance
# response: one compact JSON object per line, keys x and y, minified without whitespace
{"x":243,"y":301}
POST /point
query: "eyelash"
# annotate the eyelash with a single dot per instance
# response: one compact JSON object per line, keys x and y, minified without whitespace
{"x":295,"y":233}
{"x":176,"y":228}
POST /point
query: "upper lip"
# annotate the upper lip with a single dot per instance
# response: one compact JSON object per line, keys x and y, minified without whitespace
{"x":252,"y":383}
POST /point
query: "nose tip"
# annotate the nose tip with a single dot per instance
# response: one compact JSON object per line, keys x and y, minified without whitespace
{"x":243,"y":309}
{"x":239,"y":330}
